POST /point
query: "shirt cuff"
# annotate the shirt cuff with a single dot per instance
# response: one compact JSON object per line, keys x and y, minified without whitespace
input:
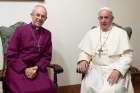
{"x":83,"y":56}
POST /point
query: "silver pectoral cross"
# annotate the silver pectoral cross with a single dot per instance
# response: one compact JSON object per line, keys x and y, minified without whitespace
{"x":100,"y":51}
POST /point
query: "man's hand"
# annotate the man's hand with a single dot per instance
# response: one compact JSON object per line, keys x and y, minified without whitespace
{"x":31,"y":72}
{"x":114,"y":77}
{"x":82,"y":67}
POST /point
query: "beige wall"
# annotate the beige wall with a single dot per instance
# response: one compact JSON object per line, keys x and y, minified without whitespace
{"x":69,"y":20}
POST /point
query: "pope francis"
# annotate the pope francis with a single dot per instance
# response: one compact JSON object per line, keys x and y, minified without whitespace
{"x":105,"y":57}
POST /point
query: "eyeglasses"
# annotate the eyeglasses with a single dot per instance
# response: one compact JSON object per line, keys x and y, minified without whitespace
{"x":37,"y":15}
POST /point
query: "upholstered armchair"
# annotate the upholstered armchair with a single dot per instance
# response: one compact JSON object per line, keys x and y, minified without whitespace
{"x":135,"y":72}
{"x":6,"y":33}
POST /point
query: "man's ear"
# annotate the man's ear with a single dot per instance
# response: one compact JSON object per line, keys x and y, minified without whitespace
{"x":112,"y":17}
{"x":31,"y":14}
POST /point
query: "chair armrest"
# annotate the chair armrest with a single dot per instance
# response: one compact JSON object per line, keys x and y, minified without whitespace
{"x":83,"y":74}
{"x":135,"y":74}
{"x":57,"y":68}
{"x":135,"y":78}
{"x":134,"y":70}
{"x":2,"y":74}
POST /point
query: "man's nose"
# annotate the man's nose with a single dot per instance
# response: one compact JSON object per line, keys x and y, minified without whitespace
{"x":40,"y":17}
{"x":103,"y":19}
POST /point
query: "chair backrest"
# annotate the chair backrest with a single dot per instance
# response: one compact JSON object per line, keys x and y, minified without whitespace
{"x":5,"y":34}
{"x":128,"y":29}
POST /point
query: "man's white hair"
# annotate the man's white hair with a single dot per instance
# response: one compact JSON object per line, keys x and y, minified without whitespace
{"x":39,"y":5}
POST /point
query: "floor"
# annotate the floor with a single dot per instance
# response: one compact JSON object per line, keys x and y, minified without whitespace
{"x":76,"y":88}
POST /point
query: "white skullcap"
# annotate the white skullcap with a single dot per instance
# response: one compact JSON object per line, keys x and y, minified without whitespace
{"x":105,"y":8}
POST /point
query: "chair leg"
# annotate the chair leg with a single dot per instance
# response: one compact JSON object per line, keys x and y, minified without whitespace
{"x":55,"y":78}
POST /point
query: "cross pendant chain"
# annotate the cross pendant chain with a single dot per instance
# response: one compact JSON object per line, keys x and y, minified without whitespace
{"x":100,"y":51}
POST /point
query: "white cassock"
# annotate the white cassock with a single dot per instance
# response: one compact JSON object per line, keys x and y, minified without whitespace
{"x":116,"y":54}
{"x":1,"y":63}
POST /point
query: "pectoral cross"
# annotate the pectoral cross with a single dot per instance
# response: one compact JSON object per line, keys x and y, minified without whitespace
{"x":100,"y":51}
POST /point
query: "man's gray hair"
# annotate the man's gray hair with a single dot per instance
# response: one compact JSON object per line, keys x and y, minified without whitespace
{"x":39,"y":5}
